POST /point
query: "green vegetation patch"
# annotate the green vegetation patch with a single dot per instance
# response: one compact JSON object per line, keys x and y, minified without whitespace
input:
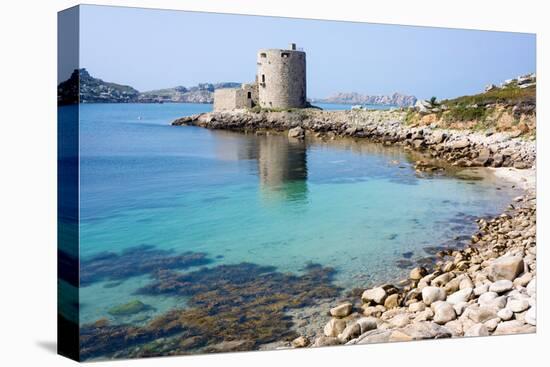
{"x":509,"y":95}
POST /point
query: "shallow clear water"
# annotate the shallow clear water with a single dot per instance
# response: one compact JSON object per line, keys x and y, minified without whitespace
{"x":357,"y":207}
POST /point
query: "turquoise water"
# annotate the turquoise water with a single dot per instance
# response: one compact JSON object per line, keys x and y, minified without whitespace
{"x":357,"y":207}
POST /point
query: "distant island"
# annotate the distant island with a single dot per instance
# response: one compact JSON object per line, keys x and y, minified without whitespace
{"x":396,"y":99}
{"x":95,"y":90}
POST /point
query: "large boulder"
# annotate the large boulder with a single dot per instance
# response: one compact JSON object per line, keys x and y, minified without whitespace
{"x":374,"y":295}
{"x":460,"y":296}
{"x":438,"y":137}
{"x":341,"y":310}
{"x":374,"y":336}
{"x":433,"y":294}
{"x":518,"y":305}
{"x":481,"y":314}
{"x":505,"y":267}
{"x":351,"y":331}
{"x":501,"y":286}
{"x":425,"y":330}
{"x":367,"y":324}
{"x":444,"y":312}
{"x":334,"y":327}
{"x":392,"y":301}
{"x":460,"y":144}
{"x":325,"y":341}
{"x":513,"y":327}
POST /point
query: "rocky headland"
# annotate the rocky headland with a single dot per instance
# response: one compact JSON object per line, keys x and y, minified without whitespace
{"x":396,"y":99}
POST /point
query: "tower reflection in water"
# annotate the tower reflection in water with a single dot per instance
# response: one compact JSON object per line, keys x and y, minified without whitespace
{"x":282,"y":168}
{"x":280,"y":162}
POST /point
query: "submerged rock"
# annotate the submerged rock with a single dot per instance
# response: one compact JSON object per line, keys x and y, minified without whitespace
{"x":130,"y":308}
{"x":135,"y":261}
{"x":245,"y":302}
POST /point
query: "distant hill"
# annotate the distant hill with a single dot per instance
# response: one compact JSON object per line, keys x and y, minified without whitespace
{"x":94,"y":90}
{"x":396,"y":99}
{"x":202,"y":93}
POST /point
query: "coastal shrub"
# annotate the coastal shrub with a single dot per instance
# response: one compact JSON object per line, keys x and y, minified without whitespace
{"x":460,"y":113}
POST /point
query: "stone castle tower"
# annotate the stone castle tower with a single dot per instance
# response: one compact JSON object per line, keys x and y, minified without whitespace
{"x":280,"y":83}
{"x":281,"y":78}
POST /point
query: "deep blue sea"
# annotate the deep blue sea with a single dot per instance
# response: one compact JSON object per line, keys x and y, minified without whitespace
{"x":358,"y":207}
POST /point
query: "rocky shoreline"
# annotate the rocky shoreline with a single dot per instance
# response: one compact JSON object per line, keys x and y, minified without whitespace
{"x":486,"y":288}
{"x":464,"y":148}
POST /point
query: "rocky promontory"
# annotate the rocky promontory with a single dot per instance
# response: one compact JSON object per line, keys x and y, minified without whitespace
{"x":465,"y":148}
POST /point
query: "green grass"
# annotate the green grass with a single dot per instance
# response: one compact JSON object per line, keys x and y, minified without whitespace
{"x":509,"y":95}
{"x":463,"y":113}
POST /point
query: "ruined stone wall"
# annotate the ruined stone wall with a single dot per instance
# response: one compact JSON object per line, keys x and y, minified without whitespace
{"x":281,"y":78}
{"x":233,"y":98}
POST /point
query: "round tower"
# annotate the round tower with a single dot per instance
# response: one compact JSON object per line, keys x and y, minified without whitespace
{"x":281,"y":78}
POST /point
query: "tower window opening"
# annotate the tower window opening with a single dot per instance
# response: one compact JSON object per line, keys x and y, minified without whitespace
{"x":249,"y":95}
{"x":285,"y":55}
{"x":263,"y":78}
{"x":263,"y":54}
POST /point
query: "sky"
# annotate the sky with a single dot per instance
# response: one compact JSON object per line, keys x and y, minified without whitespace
{"x":152,"y":49}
